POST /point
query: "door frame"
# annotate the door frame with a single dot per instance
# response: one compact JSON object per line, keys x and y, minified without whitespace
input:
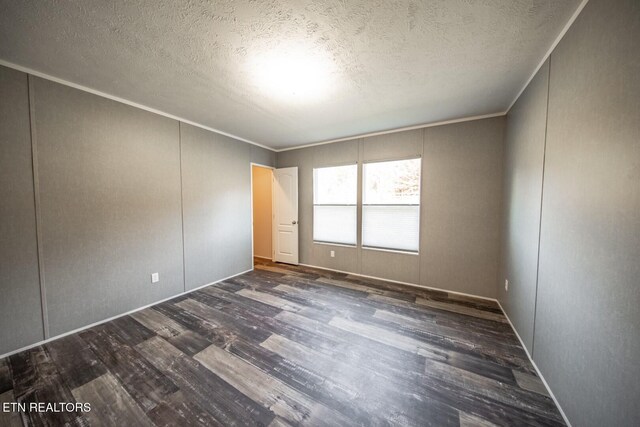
{"x":251,"y":165}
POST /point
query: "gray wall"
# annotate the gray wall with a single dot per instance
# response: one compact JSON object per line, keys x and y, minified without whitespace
{"x":109,"y":184}
{"x":524,"y":159}
{"x":460,"y":205}
{"x":20,"y":309}
{"x":216,"y":174}
{"x":110,"y":181}
{"x":461,"y":202}
{"x":262,"y":157}
{"x":587,"y":313}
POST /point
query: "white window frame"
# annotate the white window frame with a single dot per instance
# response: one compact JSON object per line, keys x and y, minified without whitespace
{"x":314,"y":204}
{"x":363,"y":204}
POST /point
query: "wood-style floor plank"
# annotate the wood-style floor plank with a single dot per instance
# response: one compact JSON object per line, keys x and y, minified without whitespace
{"x":287,"y":346}
{"x":530,"y":382}
{"x":159,"y":323}
{"x":272,"y":300}
{"x":225,"y":403}
{"x":461,"y":309}
{"x":366,"y":290}
{"x":468,"y":420}
{"x":352,"y":348}
{"x":500,"y":392}
{"x":141,"y":379}
{"x":492,"y":346}
{"x":5,"y":376}
{"x":318,"y":387}
{"x":486,"y":328}
{"x":373,"y":390}
{"x":36,"y":379}
{"x":75,"y":361}
{"x":186,"y":340}
{"x":283,"y":400}
{"x":389,"y":338}
{"x":111,"y":404}
{"x":9,"y":419}
{"x":181,"y":410}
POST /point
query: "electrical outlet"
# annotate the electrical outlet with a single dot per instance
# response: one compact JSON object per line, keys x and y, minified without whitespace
{"x":333,"y":254}
{"x":155,"y":277}
{"x":506,"y":285}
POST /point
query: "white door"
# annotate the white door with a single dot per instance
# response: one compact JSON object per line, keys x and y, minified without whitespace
{"x":285,"y":214}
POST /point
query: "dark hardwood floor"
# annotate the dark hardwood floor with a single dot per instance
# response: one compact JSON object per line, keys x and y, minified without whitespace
{"x":287,"y":345}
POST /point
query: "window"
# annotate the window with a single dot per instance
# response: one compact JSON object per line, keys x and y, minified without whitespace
{"x":334,"y":204}
{"x":391,"y":205}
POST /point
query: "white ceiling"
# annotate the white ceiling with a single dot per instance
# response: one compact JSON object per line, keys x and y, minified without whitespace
{"x":387,"y":64}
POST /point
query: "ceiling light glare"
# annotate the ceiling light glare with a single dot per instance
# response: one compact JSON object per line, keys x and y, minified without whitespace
{"x":293,"y":74}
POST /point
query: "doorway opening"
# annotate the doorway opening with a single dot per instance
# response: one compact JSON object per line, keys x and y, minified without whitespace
{"x":262,"y":211}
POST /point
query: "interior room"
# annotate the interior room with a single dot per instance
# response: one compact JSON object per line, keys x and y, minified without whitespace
{"x":300,"y":213}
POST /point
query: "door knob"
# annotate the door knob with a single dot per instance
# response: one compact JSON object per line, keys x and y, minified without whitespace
{"x":294,"y":222}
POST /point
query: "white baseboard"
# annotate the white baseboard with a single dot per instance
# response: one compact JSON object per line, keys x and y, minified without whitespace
{"x":117,"y":316}
{"x":564,"y":416}
{"x":414,"y":285}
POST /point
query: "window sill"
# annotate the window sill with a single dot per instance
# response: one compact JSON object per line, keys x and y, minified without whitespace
{"x":342,"y":245}
{"x":394,"y":251}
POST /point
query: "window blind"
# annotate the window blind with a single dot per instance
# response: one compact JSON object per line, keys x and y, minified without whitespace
{"x":391,"y":205}
{"x":334,"y":204}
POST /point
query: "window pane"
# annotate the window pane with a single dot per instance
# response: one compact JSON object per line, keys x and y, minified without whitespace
{"x":335,"y":224}
{"x":391,"y":205}
{"x":391,"y":227}
{"x":396,"y":182}
{"x":335,"y":185}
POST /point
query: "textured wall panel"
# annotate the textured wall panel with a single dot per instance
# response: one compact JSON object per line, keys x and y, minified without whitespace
{"x":20,"y":309}
{"x":523,"y":166}
{"x":588,"y":314}
{"x":110,"y":204}
{"x":461,"y":203}
{"x":391,"y":265}
{"x":399,"y":145}
{"x":216,"y":190}
{"x":262,"y":156}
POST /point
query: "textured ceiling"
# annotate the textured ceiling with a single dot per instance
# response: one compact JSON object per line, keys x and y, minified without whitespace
{"x":382,"y":64}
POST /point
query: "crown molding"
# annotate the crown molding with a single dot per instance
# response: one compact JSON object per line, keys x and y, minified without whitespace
{"x":125,"y":101}
{"x":550,"y":51}
{"x":395,"y":130}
